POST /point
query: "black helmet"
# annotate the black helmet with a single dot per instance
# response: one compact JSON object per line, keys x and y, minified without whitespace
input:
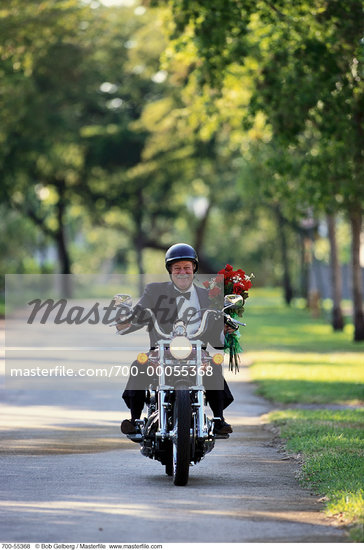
{"x":181,"y":251}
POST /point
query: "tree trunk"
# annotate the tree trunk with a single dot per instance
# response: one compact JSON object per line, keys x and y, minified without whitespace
{"x":335,"y":272}
{"x":306,"y":261}
{"x":63,"y":255}
{"x":356,"y":223}
{"x":303,"y":270}
{"x":138,"y":243}
{"x":287,"y":285}
{"x":139,"y":239}
{"x":205,"y":265}
{"x":61,"y":242}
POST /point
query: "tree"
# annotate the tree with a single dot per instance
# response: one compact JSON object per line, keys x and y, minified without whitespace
{"x":307,"y":81}
{"x":68,"y":123}
{"x":336,"y":283}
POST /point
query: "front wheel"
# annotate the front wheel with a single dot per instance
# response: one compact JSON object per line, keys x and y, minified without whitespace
{"x":181,"y":438}
{"x":169,"y":459}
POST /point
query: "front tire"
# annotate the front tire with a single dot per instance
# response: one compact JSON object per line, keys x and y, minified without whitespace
{"x":181,"y":439}
{"x":169,"y":459}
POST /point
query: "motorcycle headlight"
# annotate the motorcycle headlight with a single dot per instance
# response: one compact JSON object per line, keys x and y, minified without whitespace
{"x":180,"y":347}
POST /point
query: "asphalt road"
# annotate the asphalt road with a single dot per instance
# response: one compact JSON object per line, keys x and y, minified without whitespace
{"x":68,"y":475}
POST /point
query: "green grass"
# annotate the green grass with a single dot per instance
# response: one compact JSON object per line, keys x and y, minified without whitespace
{"x":274,"y":326}
{"x":288,"y":377}
{"x":299,"y":359}
{"x":331,"y":444}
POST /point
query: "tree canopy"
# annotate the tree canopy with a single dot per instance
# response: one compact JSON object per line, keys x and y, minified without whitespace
{"x":228,"y":121}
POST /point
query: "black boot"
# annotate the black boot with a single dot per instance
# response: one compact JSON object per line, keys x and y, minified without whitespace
{"x":221,"y":427}
{"x":129,"y":426}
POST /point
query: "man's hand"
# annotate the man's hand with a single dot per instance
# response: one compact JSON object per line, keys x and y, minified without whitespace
{"x":122,"y":326}
{"x":228,"y":330}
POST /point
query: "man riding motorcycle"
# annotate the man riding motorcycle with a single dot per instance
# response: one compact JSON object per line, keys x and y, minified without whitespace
{"x":170,"y":301}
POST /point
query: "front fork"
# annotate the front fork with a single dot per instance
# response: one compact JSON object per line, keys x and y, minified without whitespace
{"x":198,"y":407}
{"x":163,"y":407}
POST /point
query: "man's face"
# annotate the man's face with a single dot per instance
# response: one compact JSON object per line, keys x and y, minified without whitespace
{"x":182,"y":274}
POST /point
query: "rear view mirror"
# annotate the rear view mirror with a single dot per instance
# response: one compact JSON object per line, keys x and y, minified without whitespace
{"x":123,"y":299}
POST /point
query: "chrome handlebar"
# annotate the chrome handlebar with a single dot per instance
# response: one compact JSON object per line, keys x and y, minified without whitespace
{"x":164,"y":335}
{"x":230,"y":321}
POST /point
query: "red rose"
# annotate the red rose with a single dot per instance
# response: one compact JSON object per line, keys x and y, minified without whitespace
{"x":228,"y":267}
{"x":214,"y":292}
{"x":219,"y":278}
{"x":206,"y":284}
{"x":238,"y":288}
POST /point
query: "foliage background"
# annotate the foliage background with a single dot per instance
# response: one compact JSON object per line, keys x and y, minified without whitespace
{"x":234,"y":126}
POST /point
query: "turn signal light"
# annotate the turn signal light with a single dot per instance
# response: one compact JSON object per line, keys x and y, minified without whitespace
{"x":142,"y":358}
{"x":218,"y":358}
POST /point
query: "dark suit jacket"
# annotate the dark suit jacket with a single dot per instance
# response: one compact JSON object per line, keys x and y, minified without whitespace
{"x":161,"y":299}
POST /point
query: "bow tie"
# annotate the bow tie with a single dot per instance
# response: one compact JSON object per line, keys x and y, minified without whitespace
{"x":186,"y":295}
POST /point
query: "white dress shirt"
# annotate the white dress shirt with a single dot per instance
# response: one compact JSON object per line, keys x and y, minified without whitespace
{"x":189,"y":310}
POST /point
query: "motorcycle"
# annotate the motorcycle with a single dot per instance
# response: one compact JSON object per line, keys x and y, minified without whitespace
{"x":177,"y":431}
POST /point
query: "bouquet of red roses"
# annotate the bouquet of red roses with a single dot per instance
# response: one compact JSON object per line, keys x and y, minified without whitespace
{"x":235,"y":282}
